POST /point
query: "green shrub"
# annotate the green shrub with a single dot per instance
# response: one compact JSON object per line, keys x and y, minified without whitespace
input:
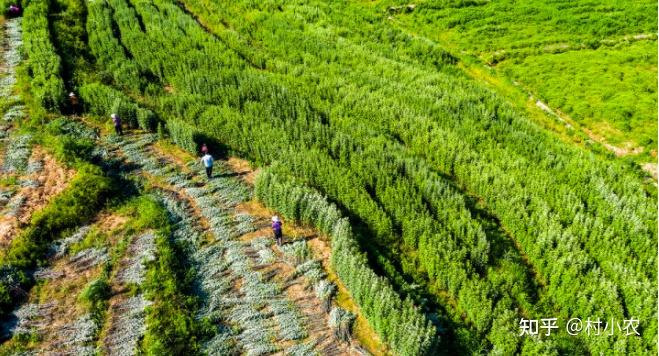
{"x":96,"y":292}
{"x":69,"y":149}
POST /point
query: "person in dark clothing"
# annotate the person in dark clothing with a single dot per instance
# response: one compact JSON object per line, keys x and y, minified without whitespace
{"x":117,"y":124}
{"x":14,"y":10}
{"x":73,"y":101}
{"x":276,"y":229}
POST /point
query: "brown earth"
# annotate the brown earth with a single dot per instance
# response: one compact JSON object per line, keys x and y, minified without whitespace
{"x":52,"y":179}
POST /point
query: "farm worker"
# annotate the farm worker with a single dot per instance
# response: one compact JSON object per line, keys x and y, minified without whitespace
{"x":276,"y":229}
{"x":73,"y":100}
{"x":204,"y":149}
{"x":14,"y":10}
{"x":207,"y":160}
{"x":117,"y":124}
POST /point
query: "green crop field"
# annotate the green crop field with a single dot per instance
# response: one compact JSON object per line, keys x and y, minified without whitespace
{"x":593,"y":61}
{"x":611,"y":90}
{"x":427,"y":208}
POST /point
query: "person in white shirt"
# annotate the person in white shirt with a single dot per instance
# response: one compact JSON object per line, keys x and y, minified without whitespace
{"x":207,"y":161}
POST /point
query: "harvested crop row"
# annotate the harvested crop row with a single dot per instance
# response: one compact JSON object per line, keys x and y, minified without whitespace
{"x":232,"y":288}
{"x":53,"y":313}
{"x":11,"y":58}
{"x":127,"y":311}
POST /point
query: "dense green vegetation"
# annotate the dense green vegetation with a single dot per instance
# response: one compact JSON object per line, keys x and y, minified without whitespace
{"x":350,"y":107}
{"x":100,"y":100}
{"x":469,"y":211}
{"x":624,"y":108}
{"x":595,"y":61}
{"x":490,"y":26}
{"x":43,"y":63}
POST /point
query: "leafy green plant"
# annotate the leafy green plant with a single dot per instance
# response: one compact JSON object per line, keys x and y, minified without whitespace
{"x":43,"y":63}
{"x":102,"y":100}
{"x":95,"y":294}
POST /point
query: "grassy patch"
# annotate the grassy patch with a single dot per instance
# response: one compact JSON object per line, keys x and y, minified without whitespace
{"x":595,"y":62}
{"x":8,"y":181}
{"x":612,"y":91}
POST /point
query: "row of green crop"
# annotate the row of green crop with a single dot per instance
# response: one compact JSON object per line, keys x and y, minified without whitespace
{"x":331,"y":108}
{"x":400,"y":324}
{"x":43,"y":63}
{"x":107,"y":50}
{"x":102,"y":100}
{"x":171,"y":328}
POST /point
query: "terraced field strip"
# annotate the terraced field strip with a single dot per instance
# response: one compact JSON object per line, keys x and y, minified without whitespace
{"x":53,"y":311}
{"x":127,"y":313}
{"x":30,"y":177}
{"x":11,"y":57}
{"x":242,"y":281}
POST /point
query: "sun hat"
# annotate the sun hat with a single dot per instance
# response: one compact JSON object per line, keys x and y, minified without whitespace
{"x":275,"y":218}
